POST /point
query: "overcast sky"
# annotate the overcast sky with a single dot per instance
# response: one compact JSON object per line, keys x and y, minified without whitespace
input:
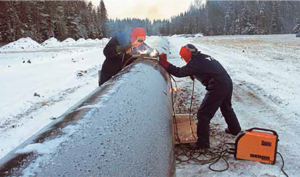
{"x":152,"y":9}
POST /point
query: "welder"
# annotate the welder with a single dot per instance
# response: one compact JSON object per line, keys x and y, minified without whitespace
{"x":117,"y":52}
{"x":219,"y":90}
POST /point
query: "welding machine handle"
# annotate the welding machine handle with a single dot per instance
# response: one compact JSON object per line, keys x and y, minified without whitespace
{"x":263,"y":129}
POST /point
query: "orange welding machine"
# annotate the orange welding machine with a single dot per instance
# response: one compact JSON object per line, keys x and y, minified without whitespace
{"x":257,"y":144}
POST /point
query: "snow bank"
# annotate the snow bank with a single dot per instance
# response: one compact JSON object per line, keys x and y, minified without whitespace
{"x":68,"y":42}
{"x":90,"y":40}
{"x":199,"y":35}
{"x":81,"y":41}
{"x":22,"y":44}
{"x":52,"y":42}
{"x":105,"y":40}
{"x":176,"y":35}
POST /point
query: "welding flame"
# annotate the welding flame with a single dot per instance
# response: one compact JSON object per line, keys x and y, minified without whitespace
{"x":175,"y":89}
{"x":143,"y":51}
{"x":154,"y":53}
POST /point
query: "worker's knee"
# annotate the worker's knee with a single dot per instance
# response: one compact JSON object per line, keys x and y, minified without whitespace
{"x":204,"y":118}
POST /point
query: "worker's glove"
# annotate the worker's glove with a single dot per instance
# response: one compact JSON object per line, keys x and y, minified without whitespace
{"x":163,"y":60}
{"x":123,"y":48}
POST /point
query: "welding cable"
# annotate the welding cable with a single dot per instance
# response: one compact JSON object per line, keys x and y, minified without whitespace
{"x":184,"y":152}
{"x":221,"y":156}
{"x":190,"y":119}
{"x":173,"y":97}
{"x":191,"y":105}
{"x":282,"y":165}
{"x":211,"y":156}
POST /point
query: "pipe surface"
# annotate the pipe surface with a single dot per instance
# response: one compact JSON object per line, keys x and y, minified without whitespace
{"x":123,"y":128}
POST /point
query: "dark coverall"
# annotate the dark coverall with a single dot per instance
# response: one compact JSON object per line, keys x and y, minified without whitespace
{"x":219,"y":92}
{"x":114,"y":62}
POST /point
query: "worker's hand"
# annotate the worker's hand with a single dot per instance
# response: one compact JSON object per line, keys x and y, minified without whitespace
{"x":163,"y":61}
{"x":123,"y":48}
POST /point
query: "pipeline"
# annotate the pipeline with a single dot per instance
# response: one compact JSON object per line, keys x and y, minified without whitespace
{"x":123,"y":128}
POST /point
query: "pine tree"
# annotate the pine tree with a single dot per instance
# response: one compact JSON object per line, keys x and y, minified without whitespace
{"x":296,"y":29}
{"x":275,"y":24}
{"x":59,"y":18}
{"x":228,"y":21}
{"x":14,"y":25}
{"x":45,"y":22}
{"x":3,"y":22}
{"x":104,"y":19}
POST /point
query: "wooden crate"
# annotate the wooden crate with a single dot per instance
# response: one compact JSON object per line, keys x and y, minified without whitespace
{"x":183,"y":130}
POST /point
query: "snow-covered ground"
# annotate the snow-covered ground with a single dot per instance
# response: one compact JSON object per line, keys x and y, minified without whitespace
{"x":266,"y":72}
{"x":41,"y":83}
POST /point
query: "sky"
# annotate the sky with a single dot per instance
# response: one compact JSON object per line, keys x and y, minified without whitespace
{"x":152,"y":9}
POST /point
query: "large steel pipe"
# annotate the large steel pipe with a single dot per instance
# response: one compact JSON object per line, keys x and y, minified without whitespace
{"x":124,"y":128}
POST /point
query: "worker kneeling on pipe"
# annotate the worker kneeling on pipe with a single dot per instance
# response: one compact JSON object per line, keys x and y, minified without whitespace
{"x":219,"y":90}
{"x":117,"y":52}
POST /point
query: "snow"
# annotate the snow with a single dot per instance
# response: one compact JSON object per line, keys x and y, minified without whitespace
{"x":52,"y":74}
{"x":68,"y":42}
{"x":264,"y":69}
{"x":52,"y":42}
{"x":42,"y":148}
{"x":23,"y":44}
{"x":199,"y":35}
{"x":81,"y":41}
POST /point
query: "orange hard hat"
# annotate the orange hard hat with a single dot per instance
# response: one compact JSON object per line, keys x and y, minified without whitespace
{"x":138,"y":35}
{"x":187,"y":51}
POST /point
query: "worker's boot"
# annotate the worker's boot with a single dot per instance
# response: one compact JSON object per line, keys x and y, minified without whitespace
{"x":228,"y":132}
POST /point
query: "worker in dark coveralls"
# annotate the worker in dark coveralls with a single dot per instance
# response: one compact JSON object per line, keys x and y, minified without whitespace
{"x":219,"y":90}
{"x":117,"y":52}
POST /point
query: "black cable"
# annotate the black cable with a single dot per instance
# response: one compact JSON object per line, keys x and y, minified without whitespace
{"x":184,"y":151}
{"x":192,"y":97}
{"x":222,"y":156}
{"x":174,"y":111}
{"x":211,"y":156}
{"x":282,"y":165}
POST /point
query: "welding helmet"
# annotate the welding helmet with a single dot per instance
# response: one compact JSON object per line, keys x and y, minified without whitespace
{"x":138,"y":36}
{"x":187,"y":51}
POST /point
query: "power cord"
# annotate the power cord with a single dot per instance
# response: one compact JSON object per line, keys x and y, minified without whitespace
{"x":190,"y":113}
{"x":282,"y":165}
{"x":211,"y":156}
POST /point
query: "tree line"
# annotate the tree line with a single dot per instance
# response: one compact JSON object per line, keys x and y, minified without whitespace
{"x":41,"y":20}
{"x":224,"y":18}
